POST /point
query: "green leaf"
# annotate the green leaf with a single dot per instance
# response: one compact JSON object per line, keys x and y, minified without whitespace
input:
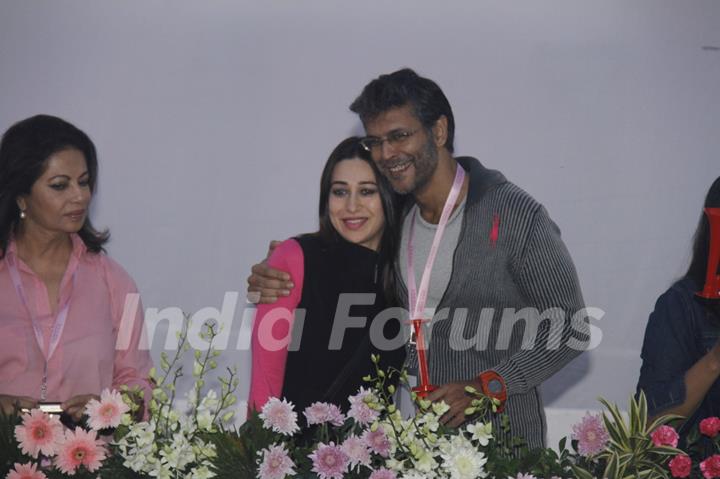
{"x":581,"y":473}
{"x":643,"y":412}
{"x":612,"y":468}
{"x":617,"y":424}
{"x":561,"y":444}
{"x":662,"y":420}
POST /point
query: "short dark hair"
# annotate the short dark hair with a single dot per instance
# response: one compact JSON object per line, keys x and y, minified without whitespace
{"x":405,"y":87}
{"x":701,"y":241}
{"x":24,"y":150}
{"x":348,"y":149}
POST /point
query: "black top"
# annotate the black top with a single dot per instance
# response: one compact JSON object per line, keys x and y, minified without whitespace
{"x":680,"y":331}
{"x":330,"y":353}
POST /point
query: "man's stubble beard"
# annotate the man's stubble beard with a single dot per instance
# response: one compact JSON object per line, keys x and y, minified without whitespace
{"x":425,"y":163}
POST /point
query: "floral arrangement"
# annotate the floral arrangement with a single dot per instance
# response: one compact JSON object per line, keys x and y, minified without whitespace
{"x":368,"y":440}
{"x":372,"y":440}
{"x":113,"y":443}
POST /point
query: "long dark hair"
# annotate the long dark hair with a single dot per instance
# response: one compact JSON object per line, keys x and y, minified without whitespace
{"x":24,"y":150}
{"x":350,"y":148}
{"x":701,"y":240}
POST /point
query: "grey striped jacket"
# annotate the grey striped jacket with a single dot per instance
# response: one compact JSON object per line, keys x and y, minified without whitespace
{"x":510,"y":302}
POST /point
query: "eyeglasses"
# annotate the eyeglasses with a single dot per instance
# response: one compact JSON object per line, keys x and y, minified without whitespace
{"x":394,"y":138}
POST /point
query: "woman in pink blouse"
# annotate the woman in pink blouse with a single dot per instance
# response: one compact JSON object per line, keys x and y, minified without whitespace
{"x":70,"y":320}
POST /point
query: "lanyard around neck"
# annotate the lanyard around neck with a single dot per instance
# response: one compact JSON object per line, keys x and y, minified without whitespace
{"x":417,"y":299}
{"x":58,"y":324}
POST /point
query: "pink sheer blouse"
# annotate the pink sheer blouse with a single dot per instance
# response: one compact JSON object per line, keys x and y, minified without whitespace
{"x":99,"y":347}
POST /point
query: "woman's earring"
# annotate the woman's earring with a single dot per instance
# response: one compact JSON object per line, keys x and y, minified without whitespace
{"x":22,"y":214}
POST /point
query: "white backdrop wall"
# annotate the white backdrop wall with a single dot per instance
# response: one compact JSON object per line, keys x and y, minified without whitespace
{"x":213,"y":120}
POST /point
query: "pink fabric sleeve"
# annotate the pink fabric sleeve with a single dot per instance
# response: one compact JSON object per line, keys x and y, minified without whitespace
{"x":272,"y":329}
{"x":132,"y":361}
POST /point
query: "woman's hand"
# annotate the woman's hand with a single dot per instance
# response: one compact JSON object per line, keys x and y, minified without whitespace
{"x":75,"y":406}
{"x":10,"y":404}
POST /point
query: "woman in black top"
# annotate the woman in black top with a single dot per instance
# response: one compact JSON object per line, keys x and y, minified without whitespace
{"x":343,"y":272}
{"x":681,"y":352}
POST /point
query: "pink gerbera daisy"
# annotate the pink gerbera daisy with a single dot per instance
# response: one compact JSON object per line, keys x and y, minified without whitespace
{"x":39,"y":433}
{"x":329,"y":461}
{"x":25,"y":471}
{"x":107,"y":412}
{"x":590,"y":434}
{"x":80,"y":448}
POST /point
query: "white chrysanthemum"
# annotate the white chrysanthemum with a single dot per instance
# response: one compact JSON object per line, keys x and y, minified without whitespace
{"x":461,"y":460}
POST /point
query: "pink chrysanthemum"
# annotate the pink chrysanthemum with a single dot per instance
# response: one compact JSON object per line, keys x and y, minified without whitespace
{"x":591,"y":435}
{"x":383,"y":474}
{"x":665,"y":436}
{"x":25,"y":471}
{"x":357,"y":451}
{"x":276,"y":463}
{"x":359,"y":409}
{"x":377,"y":441}
{"x":39,"y":433}
{"x":80,"y":448}
{"x":322,"y":412}
{"x":107,"y":412}
{"x":335,"y":416}
{"x":710,"y":467}
{"x":329,"y":461}
{"x":279,"y":415}
{"x":525,"y":476}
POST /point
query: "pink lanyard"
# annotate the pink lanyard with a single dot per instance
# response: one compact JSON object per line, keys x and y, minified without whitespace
{"x":58,"y":324}
{"x":417,"y":300}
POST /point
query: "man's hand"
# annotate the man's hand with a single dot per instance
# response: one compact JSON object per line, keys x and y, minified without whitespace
{"x":10,"y":404}
{"x":75,"y":406}
{"x":457,"y":398}
{"x":265,"y":284}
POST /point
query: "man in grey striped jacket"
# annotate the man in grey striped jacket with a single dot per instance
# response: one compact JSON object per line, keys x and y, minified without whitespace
{"x":506,"y":307}
{"x":508,"y":310}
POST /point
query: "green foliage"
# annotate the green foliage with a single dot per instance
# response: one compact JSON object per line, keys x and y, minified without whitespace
{"x":238,"y":449}
{"x":9,"y":449}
